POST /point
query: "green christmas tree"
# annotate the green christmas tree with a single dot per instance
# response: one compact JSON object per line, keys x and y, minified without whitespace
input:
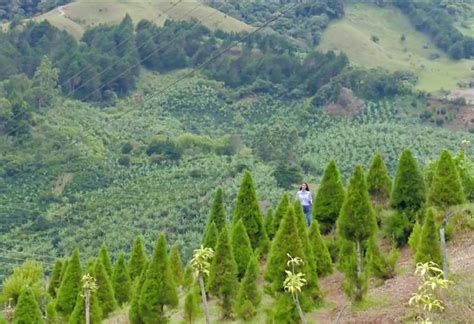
{"x":280,"y":212}
{"x":241,"y":247}
{"x":210,"y":236}
{"x":121,"y":281}
{"x":320,"y":250}
{"x":414,"y":239}
{"x":247,"y":209}
{"x":446,"y":188}
{"x":70,"y":286}
{"x":78,"y":316}
{"x":249,"y":296}
{"x":268,"y":222}
{"x":408,"y":192}
{"x":223,"y":281}
{"x":55,"y":279}
{"x":176,"y":265}
{"x":428,"y":247}
{"x":63,"y":271}
{"x":27,"y":310}
{"x":218,"y":213}
{"x":356,"y":224}
{"x":378,"y":181}
{"x":328,"y":201}
{"x":104,"y":256}
{"x":159,"y":288}
{"x":138,"y":259}
{"x":105,"y":291}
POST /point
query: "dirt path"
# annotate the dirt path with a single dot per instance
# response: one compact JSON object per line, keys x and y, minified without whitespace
{"x":61,"y":11}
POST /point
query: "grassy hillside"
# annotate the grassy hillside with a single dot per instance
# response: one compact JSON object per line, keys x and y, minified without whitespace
{"x":76,"y":17}
{"x":353,"y":34}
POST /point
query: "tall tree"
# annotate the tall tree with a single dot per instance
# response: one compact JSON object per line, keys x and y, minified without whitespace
{"x":55,"y":279}
{"x":121,"y":281}
{"x":408,"y":192}
{"x":241,"y":247}
{"x":446,"y":188}
{"x":223,"y":281}
{"x":70,"y":286}
{"x":159,"y":289}
{"x":176,"y":265}
{"x":428,"y":247}
{"x":247,"y":209}
{"x":134,"y":313}
{"x":321,"y":253}
{"x":105,"y":291}
{"x":27,"y":310}
{"x":104,"y":256}
{"x":328,"y":201}
{"x":138,"y":259}
{"x":267,"y":222}
{"x":378,"y":181}
{"x":218,"y":213}
{"x":210,"y":236}
{"x":45,"y":84}
{"x":249,"y":296}
{"x":280,"y":213}
{"x":78,"y":315}
{"x":357,"y":224}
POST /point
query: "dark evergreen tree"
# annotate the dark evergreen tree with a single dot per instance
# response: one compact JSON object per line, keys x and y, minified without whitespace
{"x":121,"y":281}
{"x":138,"y":259}
{"x":78,"y":316}
{"x":408,"y":193}
{"x":223,"y":281}
{"x":55,"y":279}
{"x":104,"y":256}
{"x":446,"y":188}
{"x":429,"y":245}
{"x":176,"y":265}
{"x":279,"y":214}
{"x":159,"y":289}
{"x":241,"y":248}
{"x":27,"y":310}
{"x":320,"y":251}
{"x":210,"y":237}
{"x":105,"y":291}
{"x":378,"y":181}
{"x":247,"y":209}
{"x":267,"y":222}
{"x":70,"y":286}
{"x":249,"y":296}
{"x":328,"y":201}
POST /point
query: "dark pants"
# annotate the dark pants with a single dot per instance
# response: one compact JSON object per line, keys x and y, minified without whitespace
{"x":307,"y":212}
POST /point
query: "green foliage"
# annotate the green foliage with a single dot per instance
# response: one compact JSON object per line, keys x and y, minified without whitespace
{"x":134,"y":312}
{"x":138,"y":259}
{"x":188,"y":278}
{"x":105,"y":258}
{"x":218,"y":213}
{"x":285,"y":310}
{"x":176,"y":265}
{"x":27,"y":311}
{"x":247,"y":209}
{"x":355,"y":282}
{"x":249,"y":296}
{"x":267,"y":222}
{"x":446,"y":188}
{"x":286,"y":174}
{"x":415,"y":237}
{"x":408,"y":188}
{"x":121,"y":281}
{"x":105,"y":291}
{"x":78,"y":315}
{"x":29,"y":274}
{"x":465,"y":168}
{"x":279,"y":214}
{"x":55,"y":279}
{"x":191,"y":307}
{"x":159,"y":288}
{"x":328,"y":201}
{"x":320,"y":251}
{"x":210,"y":236}
{"x":241,"y":248}
{"x":70,"y":286}
{"x":381,"y":266}
{"x":223,"y":281}
{"x":429,"y":248}
{"x":378,"y":181}
{"x":398,"y":226}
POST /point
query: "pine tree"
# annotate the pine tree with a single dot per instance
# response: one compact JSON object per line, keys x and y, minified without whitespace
{"x":247,"y":209}
{"x":378,"y":181}
{"x":280,"y":213}
{"x":218,"y":213}
{"x":285,"y":311}
{"x":78,"y":316}
{"x":188,"y":278}
{"x":355,"y":278}
{"x":210,"y":236}
{"x":223,"y":281}
{"x":27,"y":310}
{"x":408,"y":192}
{"x":104,"y":256}
{"x":121,"y":281}
{"x":414,"y":239}
{"x":241,"y":248}
{"x":134,"y":313}
{"x":70,"y":286}
{"x":191,"y":307}
{"x":159,"y":288}
{"x":312,"y":285}
{"x":63,"y":271}
{"x":105,"y":291}
{"x":249,"y":296}
{"x":328,"y":201}
{"x":54,"y":281}
{"x":138,"y":259}
{"x":429,"y":248}
{"x":176,"y":265}
{"x":320,"y":250}
{"x":267,"y":222}
{"x":357,"y":224}
{"x":446,"y":188}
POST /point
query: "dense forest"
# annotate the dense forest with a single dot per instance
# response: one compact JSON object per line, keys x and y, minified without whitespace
{"x":17,"y":9}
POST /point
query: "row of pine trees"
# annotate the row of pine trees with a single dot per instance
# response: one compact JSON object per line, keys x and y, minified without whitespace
{"x":250,"y":247}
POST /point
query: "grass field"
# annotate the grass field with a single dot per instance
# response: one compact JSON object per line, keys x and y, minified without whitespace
{"x":353,"y":34}
{"x":83,"y":14}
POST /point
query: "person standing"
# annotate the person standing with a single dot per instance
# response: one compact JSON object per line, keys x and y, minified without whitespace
{"x":306,"y":200}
